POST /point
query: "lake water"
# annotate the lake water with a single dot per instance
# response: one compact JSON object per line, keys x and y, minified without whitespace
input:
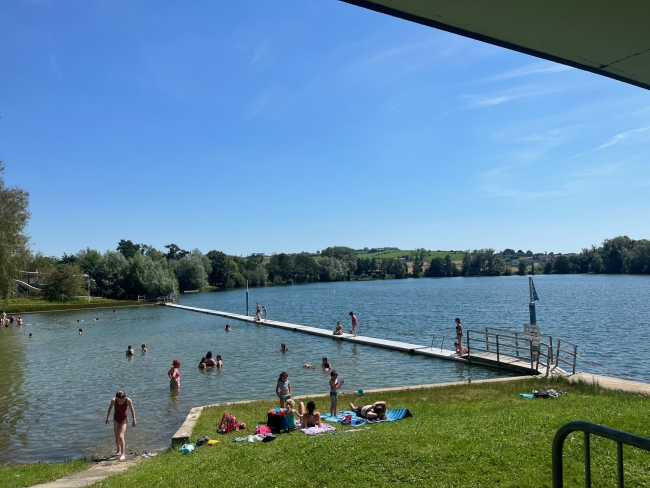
{"x":57,"y":385}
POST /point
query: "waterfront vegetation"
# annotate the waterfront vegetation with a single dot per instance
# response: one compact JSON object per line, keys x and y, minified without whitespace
{"x":479,"y":435}
{"x":24,"y":305}
{"x":134,"y":269}
{"x":20,"y":475}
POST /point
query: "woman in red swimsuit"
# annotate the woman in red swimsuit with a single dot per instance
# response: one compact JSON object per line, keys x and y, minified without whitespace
{"x":120,"y":419}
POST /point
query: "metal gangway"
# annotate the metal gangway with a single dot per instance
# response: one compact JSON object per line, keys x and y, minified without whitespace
{"x":517,"y":350}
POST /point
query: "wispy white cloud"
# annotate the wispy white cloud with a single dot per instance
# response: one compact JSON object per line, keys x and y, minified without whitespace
{"x":532,"y":69}
{"x":503,"y":96}
{"x":613,"y":141}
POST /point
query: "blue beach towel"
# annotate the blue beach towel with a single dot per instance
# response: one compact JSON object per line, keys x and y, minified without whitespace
{"x":527,"y":395}
{"x":391,"y":416}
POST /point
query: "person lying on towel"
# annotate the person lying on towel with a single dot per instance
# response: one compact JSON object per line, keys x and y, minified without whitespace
{"x":376,"y":411}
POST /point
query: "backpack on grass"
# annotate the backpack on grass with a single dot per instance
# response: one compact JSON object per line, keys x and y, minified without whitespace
{"x":229,"y":424}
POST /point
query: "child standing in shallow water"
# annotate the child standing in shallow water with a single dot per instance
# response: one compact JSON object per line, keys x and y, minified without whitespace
{"x":335,"y":384}
{"x":283,"y":388}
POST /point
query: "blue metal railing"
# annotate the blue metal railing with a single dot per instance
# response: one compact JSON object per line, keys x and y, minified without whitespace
{"x":588,"y":428}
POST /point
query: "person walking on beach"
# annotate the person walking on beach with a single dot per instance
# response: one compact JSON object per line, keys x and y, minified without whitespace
{"x":174,"y":374}
{"x":120,"y":419}
{"x":459,"y":333}
{"x":355,"y":322}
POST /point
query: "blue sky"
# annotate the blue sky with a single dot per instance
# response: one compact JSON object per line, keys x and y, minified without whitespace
{"x":291,"y":126}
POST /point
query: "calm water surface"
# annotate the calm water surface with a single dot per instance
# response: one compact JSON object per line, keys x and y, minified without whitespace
{"x":58,"y":385}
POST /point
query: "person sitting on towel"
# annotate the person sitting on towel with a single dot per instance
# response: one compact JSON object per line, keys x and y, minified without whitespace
{"x":376,"y":411}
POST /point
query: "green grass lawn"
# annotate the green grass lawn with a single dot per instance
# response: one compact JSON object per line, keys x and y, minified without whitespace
{"x":33,"y":474}
{"x":472,"y":435}
{"x":455,"y":256}
{"x":22,"y":305}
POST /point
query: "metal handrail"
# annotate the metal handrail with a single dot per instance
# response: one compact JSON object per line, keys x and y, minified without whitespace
{"x":510,"y":350}
{"x":588,"y":428}
{"x":573,"y":353}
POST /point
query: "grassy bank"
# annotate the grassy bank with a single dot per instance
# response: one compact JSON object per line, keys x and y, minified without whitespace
{"x":33,"y":474}
{"x":26,"y":305}
{"x":479,"y":435}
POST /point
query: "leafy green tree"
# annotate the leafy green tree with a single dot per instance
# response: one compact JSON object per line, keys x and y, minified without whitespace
{"x":109,"y":274}
{"x":158,"y":277}
{"x":280,"y":266}
{"x":41,"y":263}
{"x":345,"y":254}
{"x":548,"y":267}
{"x":306,"y":269}
{"x":612,"y":252}
{"x":394,"y":268}
{"x":152,"y":252}
{"x":133,"y":276}
{"x":562,"y":265}
{"x":223,"y":269}
{"x":254,"y":261}
{"x":191,"y":272}
{"x":637,"y":259}
{"x":466,"y":269}
{"x":64,"y":283}
{"x":436,"y":268}
{"x":68,"y":259}
{"x":174,"y":252}
{"x":332,"y":269}
{"x":418,"y":262}
{"x":257,"y":276}
{"x":127,"y":248}
{"x":450,"y":267}
{"x":87,"y":259}
{"x":522,"y":268}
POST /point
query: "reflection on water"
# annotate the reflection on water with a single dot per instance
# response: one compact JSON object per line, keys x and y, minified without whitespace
{"x":58,"y":385}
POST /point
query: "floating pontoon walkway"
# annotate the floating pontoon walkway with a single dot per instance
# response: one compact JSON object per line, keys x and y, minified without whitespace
{"x":487,"y":359}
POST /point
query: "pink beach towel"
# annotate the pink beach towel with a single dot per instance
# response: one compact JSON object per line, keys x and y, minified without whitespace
{"x":318,"y":430}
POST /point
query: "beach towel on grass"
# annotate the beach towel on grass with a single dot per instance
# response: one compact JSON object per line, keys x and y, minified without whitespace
{"x":318,"y":430}
{"x":391,"y":416}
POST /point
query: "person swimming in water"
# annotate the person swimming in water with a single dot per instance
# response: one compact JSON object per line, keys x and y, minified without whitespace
{"x":219,"y":361}
{"x":309,"y":366}
{"x":143,"y":349}
{"x":228,"y":328}
{"x":209,"y":361}
{"x":81,"y":331}
{"x":202,"y":364}
{"x":326,"y":365}
{"x":129,"y":351}
{"x":283,"y":347}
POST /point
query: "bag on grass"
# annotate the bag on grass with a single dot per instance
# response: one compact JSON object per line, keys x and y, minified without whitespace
{"x":228,"y":424}
{"x":274,"y":422}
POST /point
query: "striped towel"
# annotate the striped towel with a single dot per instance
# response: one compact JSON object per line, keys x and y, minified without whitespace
{"x":391,"y":416}
{"x":318,"y":430}
{"x":394,"y":414}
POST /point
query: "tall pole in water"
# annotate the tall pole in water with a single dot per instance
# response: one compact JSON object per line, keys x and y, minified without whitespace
{"x":531,"y":305}
{"x":247,"y":298}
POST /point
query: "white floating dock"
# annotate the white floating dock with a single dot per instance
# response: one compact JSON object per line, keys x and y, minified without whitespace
{"x":435,"y":352}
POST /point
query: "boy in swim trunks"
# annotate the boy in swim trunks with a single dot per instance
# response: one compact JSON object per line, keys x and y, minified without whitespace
{"x":335,"y":384}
